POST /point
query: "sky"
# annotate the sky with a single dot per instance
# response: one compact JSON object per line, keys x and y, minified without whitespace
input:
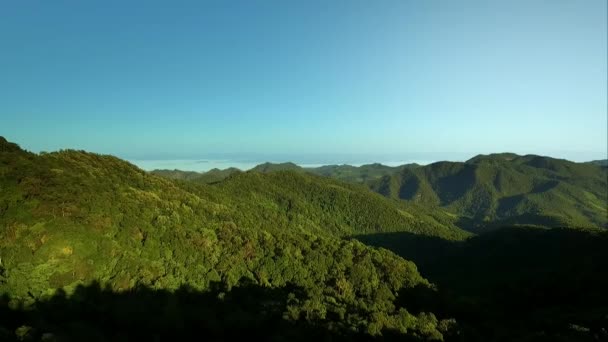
{"x":306,"y":80}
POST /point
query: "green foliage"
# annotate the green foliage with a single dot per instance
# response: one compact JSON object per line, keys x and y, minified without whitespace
{"x":507,"y":189}
{"x":71,"y":218}
{"x":271,"y":167}
{"x":209,"y":177}
{"x":486,"y":192}
{"x":361,"y":174}
{"x":285,"y":254}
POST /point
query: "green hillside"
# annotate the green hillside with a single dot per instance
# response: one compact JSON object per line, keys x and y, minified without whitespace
{"x":602,"y":162}
{"x":358,"y":174}
{"x":272,"y":167}
{"x":177,"y":174}
{"x":487,"y":191}
{"x":93,"y":248}
{"x":208,"y":177}
{"x":71,"y":218}
{"x":507,"y":189}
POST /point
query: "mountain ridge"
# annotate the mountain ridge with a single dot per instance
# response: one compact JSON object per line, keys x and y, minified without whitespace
{"x":84,"y":235}
{"x":487,"y":191}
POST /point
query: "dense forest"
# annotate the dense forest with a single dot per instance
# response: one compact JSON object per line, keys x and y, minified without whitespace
{"x":94,"y":248}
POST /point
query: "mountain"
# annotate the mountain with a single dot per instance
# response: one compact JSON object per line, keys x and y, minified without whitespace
{"x":506,"y":189}
{"x":177,"y":174}
{"x":208,"y":177}
{"x":361,"y":174}
{"x":602,"y":162}
{"x":93,"y":248}
{"x":70,"y":218}
{"x":323,"y":205}
{"x":487,"y":191}
{"x":272,"y":167}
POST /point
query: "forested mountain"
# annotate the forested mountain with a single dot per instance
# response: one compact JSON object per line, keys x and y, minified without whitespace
{"x":360,"y":174}
{"x":347,"y":173}
{"x":69,"y":218}
{"x":209,"y":177}
{"x":485,"y":192}
{"x":272,"y":167}
{"x":93,"y":248}
{"x":602,"y":162}
{"x":506,"y":189}
{"x":178,"y":174}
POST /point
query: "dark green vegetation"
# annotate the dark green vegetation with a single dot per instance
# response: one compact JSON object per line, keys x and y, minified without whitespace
{"x":489,"y":191}
{"x":507,"y":189}
{"x":346,"y":173}
{"x":360,"y":174}
{"x":270,"y":167}
{"x":93,"y":248}
{"x":602,"y":162}
{"x":209,"y":177}
{"x":514,"y":284}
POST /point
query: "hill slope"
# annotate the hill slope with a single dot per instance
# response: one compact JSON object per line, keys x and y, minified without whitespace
{"x":71,"y":218}
{"x":358,"y":174}
{"x":93,"y":248}
{"x":486,"y":191}
{"x":208,"y":177}
{"x":507,"y":189}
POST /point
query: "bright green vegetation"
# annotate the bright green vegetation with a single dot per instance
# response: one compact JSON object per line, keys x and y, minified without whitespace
{"x":93,"y":248}
{"x":71,"y":218}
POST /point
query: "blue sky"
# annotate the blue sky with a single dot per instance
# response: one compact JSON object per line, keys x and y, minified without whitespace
{"x":392,"y":79}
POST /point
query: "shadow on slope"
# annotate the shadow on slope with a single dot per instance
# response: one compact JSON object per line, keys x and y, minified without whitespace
{"x":478,"y":225}
{"x":512,"y":284}
{"x":93,"y":313}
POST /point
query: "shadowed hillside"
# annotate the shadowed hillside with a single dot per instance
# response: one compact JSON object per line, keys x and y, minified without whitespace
{"x":513,"y":284}
{"x":94,"y":313}
{"x":507,"y":189}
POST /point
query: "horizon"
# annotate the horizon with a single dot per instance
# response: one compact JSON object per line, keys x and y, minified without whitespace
{"x":246,"y":162}
{"x":206,"y":164}
{"x":394,"y":80}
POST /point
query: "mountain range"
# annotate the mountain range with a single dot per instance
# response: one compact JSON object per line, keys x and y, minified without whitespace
{"x":485,"y":192}
{"x":94,"y":248}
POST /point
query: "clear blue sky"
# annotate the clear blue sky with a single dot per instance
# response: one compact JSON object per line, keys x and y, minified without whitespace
{"x":176,"y":79}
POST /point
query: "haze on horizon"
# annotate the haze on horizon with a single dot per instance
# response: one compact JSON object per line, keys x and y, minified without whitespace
{"x":386,"y":80}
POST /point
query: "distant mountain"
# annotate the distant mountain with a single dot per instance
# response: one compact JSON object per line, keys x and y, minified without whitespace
{"x":216,"y":175}
{"x":325,"y":205}
{"x":208,"y":177}
{"x":177,"y":174}
{"x":487,"y":191}
{"x":273,"y":167}
{"x":502,"y":189}
{"x":361,"y":174}
{"x":601,"y":162}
